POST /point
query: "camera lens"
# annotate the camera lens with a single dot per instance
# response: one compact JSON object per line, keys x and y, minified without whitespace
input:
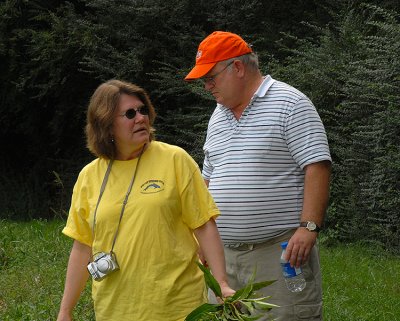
{"x":103,"y":265}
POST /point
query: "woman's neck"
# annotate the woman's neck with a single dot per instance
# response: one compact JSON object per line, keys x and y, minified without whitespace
{"x":132,"y":154}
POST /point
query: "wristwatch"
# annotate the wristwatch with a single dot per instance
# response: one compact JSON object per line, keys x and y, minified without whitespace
{"x":311,"y":226}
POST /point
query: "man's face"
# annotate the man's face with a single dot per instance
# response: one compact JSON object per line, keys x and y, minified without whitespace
{"x":218,"y":82}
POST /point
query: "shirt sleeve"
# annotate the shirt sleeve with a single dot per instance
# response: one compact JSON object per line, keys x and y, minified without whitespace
{"x":305,"y":134}
{"x":198,"y":206}
{"x":207,"y":167}
{"x":78,"y":226}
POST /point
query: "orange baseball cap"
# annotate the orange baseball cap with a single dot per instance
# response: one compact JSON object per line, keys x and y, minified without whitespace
{"x":218,"y":46}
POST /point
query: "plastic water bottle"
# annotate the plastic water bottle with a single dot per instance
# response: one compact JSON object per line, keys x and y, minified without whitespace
{"x":294,"y":278}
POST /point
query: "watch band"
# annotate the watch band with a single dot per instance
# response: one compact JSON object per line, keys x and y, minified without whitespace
{"x":311,"y":226}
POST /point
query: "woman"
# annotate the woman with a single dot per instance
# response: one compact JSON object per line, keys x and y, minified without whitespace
{"x":140,"y":204}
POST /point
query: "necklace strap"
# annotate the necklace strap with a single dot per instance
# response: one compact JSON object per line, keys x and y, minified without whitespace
{"x":103,"y":186}
{"x":126,"y":199}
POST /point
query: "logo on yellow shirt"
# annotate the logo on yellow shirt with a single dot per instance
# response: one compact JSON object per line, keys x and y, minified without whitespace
{"x":152,"y":186}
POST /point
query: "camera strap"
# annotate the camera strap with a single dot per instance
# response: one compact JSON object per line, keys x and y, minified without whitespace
{"x":102,"y":188}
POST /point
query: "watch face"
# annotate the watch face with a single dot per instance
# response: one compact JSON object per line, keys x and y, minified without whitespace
{"x":311,"y":226}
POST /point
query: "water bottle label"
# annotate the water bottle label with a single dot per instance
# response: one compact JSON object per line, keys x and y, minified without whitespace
{"x":289,"y":272}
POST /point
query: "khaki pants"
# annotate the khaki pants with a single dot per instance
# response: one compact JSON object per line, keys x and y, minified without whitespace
{"x":265,"y":257}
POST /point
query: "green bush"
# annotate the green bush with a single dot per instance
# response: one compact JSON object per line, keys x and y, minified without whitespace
{"x":351,"y":74}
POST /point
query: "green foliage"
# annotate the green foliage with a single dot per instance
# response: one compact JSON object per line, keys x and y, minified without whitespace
{"x":53,"y":54}
{"x":242,"y":306}
{"x":40,"y":103}
{"x":360,"y":281}
{"x":33,"y":261}
{"x":343,"y":54}
{"x":186,"y":123}
{"x":351,"y":74}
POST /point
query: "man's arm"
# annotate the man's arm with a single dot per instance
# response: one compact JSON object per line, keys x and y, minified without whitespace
{"x":315,"y":201}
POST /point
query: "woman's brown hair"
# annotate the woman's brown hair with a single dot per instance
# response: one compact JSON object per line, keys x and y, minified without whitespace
{"x":101,"y":112}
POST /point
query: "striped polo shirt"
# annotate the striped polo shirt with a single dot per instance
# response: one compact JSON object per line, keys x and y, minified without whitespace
{"x":255,"y":164}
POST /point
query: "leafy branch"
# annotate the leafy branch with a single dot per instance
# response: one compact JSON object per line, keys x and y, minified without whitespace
{"x":241,"y":306}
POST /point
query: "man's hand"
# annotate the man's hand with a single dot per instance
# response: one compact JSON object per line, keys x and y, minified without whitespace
{"x":299,"y":246}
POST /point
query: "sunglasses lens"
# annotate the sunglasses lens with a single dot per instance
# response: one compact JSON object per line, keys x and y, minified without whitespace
{"x":130,"y":113}
{"x":144,"y":110}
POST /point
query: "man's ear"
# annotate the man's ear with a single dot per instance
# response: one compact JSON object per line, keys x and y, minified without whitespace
{"x":239,"y":68}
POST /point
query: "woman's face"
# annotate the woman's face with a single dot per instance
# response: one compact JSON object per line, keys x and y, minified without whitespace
{"x":130,"y":134}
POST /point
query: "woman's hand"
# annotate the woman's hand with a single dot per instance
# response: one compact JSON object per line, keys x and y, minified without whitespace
{"x":226,"y":290}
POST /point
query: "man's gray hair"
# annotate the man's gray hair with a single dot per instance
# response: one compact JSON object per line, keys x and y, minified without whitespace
{"x":250,"y":59}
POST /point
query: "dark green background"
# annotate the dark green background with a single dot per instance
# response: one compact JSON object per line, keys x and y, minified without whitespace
{"x":343,"y":54}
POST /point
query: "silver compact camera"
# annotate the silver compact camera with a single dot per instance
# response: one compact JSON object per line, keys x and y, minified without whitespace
{"x":103,"y":264}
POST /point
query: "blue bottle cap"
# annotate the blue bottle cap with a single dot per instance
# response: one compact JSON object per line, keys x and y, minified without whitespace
{"x":284,"y":245}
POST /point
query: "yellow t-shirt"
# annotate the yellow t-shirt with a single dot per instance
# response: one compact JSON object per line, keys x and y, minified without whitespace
{"x":155,"y":248}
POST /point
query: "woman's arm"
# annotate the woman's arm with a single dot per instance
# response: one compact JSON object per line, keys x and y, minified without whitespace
{"x":75,"y":282}
{"x":213,"y":251}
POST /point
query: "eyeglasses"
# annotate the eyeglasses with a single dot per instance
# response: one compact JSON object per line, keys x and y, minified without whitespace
{"x":212,"y":78}
{"x":131,"y":113}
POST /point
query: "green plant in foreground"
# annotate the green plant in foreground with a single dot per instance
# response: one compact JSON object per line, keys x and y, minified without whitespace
{"x":241,"y":306}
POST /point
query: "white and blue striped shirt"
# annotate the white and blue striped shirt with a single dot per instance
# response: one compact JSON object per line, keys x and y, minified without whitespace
{"x":255,"y":164}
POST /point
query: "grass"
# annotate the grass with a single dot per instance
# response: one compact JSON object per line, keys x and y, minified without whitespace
{"x":361,"y":282}
{"x":33,"y":260}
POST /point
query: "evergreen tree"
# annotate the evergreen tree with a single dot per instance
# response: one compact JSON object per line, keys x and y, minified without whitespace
{"x":53,"y":54}
{"x":351,"y":74}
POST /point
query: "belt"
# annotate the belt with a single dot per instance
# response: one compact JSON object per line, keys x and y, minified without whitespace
{"x":252,"y":246}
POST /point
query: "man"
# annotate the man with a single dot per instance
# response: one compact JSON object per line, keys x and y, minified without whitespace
{"x":267,"y":165}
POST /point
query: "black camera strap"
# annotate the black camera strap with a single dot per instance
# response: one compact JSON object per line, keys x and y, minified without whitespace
{"x":102,"y":188}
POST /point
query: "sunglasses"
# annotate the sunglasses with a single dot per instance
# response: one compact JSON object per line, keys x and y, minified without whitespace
{"x":131,"y":113}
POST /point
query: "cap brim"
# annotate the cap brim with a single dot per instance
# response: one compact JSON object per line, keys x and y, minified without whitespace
{"x":199,"y":71}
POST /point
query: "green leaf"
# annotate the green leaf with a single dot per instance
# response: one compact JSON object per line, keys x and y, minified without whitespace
{"x":227,"y":314}
{"x":249,"y":306}
{"x":260,"y":285}
{"x":249,"y":289}
{"x":243,"y":293}
{"x":260,"y":305}
{"x":249,"y":318}
{"x":230,"y":309}
{"x":237,"y":313}
{"x":246,"y":291}
{"x":199,"y":312}
{"x":210,"y":280}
